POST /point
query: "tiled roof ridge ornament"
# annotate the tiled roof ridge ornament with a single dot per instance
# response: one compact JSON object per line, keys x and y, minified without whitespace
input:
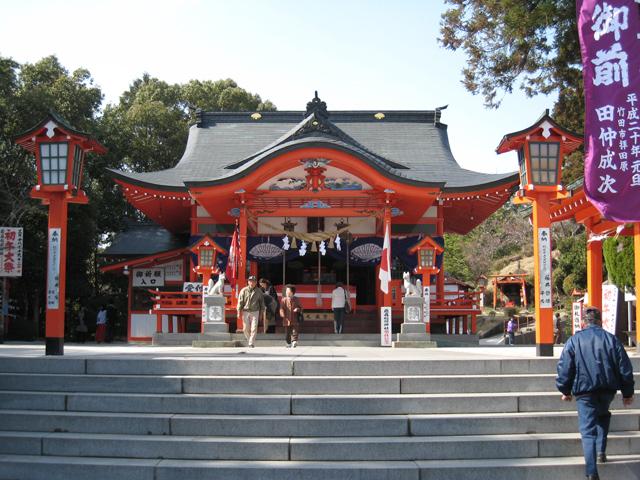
{"x":318,"y":107}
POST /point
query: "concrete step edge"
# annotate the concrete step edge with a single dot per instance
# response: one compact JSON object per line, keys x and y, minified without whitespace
{"x":425,"y":464}
{"x":312,"y":440}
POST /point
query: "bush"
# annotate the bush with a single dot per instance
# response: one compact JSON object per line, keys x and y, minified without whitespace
{"x":510,"y":312}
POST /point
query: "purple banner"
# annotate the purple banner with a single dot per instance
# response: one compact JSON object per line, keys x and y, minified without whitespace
{"x":610,"y":45}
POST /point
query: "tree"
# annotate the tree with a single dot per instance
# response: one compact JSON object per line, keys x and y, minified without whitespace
{"x":619,"y":260}
{"x":528,"y":44}
{"x":455,"y":263}
{"x":27,"y":93}
{"x":570,"y":272}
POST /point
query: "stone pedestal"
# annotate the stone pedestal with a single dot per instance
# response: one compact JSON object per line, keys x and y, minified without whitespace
{"x":213,"y":318}
{"x":413,"y":331}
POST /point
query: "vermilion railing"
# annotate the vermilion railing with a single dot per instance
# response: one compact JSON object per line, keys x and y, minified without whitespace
{"x":176,"y":300}
{"x":456,"y":299}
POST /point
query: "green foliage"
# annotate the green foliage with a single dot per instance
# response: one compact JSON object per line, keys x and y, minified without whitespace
{"x":27,"y":93}
{"x":146,"y":130}
{"x":619,"y":258}
{"x":531,"y":41}
{"x":528,"y":44}
{"x":571,"y":269}
{"x":454,"y":259}
{"x":504,"y":235}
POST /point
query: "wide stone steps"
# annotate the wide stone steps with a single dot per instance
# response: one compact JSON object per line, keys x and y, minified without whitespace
{"x":307,"y":449}
{"x":29,"y":467}
{"x":244,"y":404}
{"x":251,"y":415}
{"x":237,"y":365}
{"x":273,"y":385}
{"x":306,"y":425}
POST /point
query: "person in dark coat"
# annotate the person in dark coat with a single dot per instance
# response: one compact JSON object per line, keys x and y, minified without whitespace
{"x":290,"y":310}
{"x":271,"y":304}
{"x":592,"y":367}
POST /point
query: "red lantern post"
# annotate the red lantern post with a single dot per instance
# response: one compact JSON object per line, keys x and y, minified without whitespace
{"x":60,"y":152}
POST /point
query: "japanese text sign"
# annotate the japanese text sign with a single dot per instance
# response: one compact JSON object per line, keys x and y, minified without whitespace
{"x":53,"y":270}
{"x":544,"y":253}
{"x":385,"y":326}
{"x":148,"y":277}
{"x":609,"y":308}
{"x":11,"y":240}
{"x":610,"y":45}
{"x":576,"y":316}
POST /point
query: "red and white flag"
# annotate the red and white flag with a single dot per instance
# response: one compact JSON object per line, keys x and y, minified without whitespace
{"x":231,"y":272}
{"x":384,"y":275}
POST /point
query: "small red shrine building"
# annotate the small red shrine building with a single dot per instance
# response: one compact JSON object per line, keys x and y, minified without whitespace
{"x":328,"y":181}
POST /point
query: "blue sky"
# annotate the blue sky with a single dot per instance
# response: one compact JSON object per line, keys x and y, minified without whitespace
{"x":373,"y":55}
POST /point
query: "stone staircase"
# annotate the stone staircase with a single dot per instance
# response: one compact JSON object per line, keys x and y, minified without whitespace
{"x":272,"y":416}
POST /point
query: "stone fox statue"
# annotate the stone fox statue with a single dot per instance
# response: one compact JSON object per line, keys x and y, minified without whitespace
{"x":410,"y":289}
{"x":218,"y":287}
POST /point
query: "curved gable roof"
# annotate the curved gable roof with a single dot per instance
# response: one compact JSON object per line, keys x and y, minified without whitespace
{"x":409,"y":145}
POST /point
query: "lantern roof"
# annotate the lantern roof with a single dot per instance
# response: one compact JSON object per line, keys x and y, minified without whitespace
{"x":207,"y":241}
{"x":545,"y":126}
{"x":426,"y":242}
{"x":53,"y":124}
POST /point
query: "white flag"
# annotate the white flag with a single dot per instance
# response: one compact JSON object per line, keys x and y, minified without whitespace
{"x":385,"y":263}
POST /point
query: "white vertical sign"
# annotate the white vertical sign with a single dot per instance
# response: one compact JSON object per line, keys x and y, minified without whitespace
{"x":426,"y":306}
{"x":544,"y":245}
{"x":385,"y":326}
{"x":53,"y":270}
{"x":576,"y":316}
{"x":609,"y":308}
{"x":11,"y":239}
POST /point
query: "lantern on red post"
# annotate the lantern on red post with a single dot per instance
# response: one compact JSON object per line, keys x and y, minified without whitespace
{"x":60,"y":151}
{"x":541,"y":149}
{"x":207,"y":251}
{"x":426,"y":250}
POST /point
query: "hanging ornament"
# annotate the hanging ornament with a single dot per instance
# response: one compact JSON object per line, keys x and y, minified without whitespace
{"x":313,"y":247}
{"x":303,"y":248}
{"x":338,"y":245}
{"x":323,"y":248}
{"x":294,"y":243}
{"x":331,"y":244}
{"x":285,"y":243}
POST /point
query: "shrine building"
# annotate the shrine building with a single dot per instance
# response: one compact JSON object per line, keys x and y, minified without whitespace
{"x":309,"y":194}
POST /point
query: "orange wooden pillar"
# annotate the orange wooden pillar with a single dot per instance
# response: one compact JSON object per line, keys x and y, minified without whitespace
{"x":542,"y":275}
{"x":594,"y":273}
{"x":241,"y":282}
{"x":636,"y":247}
{"x":56,"y":274}
{"x":495,"y":292}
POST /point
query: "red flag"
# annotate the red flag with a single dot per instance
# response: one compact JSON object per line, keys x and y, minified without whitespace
{"x":385,"y":263}
{"x":231,"y":272}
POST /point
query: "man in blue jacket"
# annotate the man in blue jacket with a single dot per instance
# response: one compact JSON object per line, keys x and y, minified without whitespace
{"x":592,"y":367}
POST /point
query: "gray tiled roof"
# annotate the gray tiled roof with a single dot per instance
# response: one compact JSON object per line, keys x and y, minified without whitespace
{"x":144,"y":239}
{"x":411,"y":146}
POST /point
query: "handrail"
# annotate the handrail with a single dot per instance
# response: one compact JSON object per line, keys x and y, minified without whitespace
{"x":171,"y":300}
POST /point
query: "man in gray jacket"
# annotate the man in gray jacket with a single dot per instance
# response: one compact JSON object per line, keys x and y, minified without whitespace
{"x":592,"y":367}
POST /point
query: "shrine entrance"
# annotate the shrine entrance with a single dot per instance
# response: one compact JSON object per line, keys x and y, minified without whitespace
{"x":303,"y":273}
